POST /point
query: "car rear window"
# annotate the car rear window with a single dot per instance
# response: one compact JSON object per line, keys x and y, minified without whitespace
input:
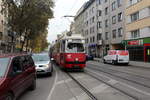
{"x":40,"y":57}
{"x":3,"y":65}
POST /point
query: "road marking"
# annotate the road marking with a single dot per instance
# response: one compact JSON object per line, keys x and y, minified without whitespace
{"x":68,"y":80}
{"x":53,"y":87}
{"x":138,"y":90}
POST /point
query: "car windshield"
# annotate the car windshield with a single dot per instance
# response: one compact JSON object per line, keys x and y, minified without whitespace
{"x":3,"y":65}
{"x":75,"y":47}
{"x":40,"y":57}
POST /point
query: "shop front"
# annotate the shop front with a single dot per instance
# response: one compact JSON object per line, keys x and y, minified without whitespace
{"x":139,"y":49}
{"x":92,"y":49}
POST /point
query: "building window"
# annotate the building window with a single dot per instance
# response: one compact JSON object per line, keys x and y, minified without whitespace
{"x":131,"y":2}
{"x":114,"y":33}
{"x":114,"y":20}
{"x":120,"y":32}
{"x":99,"y":25}
{"x":106,"y":10}
{"x":105,"y":1}
{"x":134,"y":16}
{"x":99,"y":36}
{"x":106,"y":35}
{"x":1,"y":35}
{"x":93,"y":10}
{"x":120,"y":17}
{"x":93,"y":19}
{"x":99,"y":13}
{"x":93,"y":39}
{"x":106,"y":23}
{"x":93,"y":30}
{"x":90,"y":30}
{"x":118,"y":3}
{"x":113,"y":5}
{"x":135,"y":34}
{"x":99,"y":2}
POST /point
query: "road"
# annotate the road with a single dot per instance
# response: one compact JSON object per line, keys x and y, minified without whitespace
{"x":43,"y":89}
{"x":104,"y":81}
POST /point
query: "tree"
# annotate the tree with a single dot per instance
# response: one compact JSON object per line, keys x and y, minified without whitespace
{"x":29,"y":18}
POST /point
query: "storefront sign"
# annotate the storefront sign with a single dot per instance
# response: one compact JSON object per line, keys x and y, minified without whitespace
{"x":135,"y":42}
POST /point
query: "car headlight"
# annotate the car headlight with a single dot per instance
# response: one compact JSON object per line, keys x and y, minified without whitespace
{"x":46,"y":65}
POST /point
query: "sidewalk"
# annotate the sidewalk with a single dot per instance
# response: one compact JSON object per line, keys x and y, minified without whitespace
{"x":131,"y":63}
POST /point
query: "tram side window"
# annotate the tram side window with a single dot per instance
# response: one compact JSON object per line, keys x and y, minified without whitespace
{"x":63,"y":46}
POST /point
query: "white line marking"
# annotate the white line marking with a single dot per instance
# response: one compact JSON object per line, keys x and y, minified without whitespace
{"x":146,"y":93}
{"x":53,"y":87}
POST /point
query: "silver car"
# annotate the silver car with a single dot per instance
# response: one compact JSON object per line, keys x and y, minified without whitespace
{"x":43,"y":64}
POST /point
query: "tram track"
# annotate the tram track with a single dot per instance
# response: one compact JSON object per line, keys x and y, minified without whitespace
{"x":102,"y":81}
{"x":107,"y":71}
{"x":147,"y":78}
{"x":112,"y":86}
{"x":91,"y":95}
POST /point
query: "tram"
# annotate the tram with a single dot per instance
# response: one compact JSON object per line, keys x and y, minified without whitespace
{"x":69,"y":52}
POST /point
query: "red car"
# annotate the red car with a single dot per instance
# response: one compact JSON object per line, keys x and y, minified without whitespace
{"x":17,"y":73}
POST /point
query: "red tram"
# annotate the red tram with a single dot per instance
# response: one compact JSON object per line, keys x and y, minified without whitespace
{"x":69,"y":52}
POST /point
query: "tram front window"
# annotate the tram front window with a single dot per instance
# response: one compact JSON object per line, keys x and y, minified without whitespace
{"x":75,"y":47}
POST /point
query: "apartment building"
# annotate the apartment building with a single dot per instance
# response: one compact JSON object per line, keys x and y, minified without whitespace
{"x":90,"y":27}
{"x":138,"y":29}
{"x":79,"y":21}
{"x":110,"y":25}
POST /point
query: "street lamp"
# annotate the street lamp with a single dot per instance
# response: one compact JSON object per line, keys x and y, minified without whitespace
{"x":68,"y":16}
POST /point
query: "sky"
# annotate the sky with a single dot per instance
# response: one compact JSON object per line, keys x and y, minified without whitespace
{"x":59,"y":24}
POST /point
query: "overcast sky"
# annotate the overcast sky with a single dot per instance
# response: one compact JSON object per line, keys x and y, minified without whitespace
{"x":59,"y":23}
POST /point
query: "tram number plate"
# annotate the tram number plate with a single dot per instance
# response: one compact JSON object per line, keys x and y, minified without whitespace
{"x":76,"y":67}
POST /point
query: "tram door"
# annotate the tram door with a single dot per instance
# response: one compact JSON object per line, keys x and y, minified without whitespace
{"x":148,"y":53}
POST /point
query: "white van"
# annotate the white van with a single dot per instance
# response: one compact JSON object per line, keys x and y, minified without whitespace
{"x":117,"y":56}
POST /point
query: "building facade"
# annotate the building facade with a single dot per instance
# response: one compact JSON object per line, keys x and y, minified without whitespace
{"x":90,"y":27}
{"x":138,"y":29}
{"x":110,"y":25}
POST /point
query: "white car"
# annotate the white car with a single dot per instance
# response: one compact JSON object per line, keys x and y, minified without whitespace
{"x":117,"y":56}
{"x":43,"y":64}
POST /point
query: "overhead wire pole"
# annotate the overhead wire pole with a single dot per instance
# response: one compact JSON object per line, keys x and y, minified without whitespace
{"x":67,"y":16}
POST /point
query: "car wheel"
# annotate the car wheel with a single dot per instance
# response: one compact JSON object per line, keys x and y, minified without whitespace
{"x":126,"y":64}
{"x":33,"y":85}
{"x":9,"y":96}
{"x":104,"y":61}
{"x":50,"y":74}
{"x":113,"y":62}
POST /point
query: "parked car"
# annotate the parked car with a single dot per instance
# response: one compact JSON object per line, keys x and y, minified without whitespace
{"x":17,"y":73}
{"x":117,"y":56}
{"x":43,"y":64}
{"x":89,"y":57}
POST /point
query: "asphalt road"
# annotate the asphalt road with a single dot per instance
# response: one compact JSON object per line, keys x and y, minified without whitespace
{"x":43,"y":89}
{"x":111,"y":83}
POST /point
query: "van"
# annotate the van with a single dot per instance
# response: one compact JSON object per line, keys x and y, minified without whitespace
{"x":117,"y":56}
{"x":17,"y":73}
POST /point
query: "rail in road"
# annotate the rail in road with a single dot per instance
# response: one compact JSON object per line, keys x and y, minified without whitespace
{"x":123,"y":71}
{"x":119,"y":74}
{"x":112,"y":86}
{"x":82,"y":87}
{"x":91,"y":95}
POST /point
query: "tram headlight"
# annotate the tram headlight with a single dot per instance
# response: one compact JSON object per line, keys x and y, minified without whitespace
{"x":69,"y":56}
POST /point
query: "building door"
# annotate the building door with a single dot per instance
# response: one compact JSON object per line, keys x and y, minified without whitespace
{"x":148,"y":54}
